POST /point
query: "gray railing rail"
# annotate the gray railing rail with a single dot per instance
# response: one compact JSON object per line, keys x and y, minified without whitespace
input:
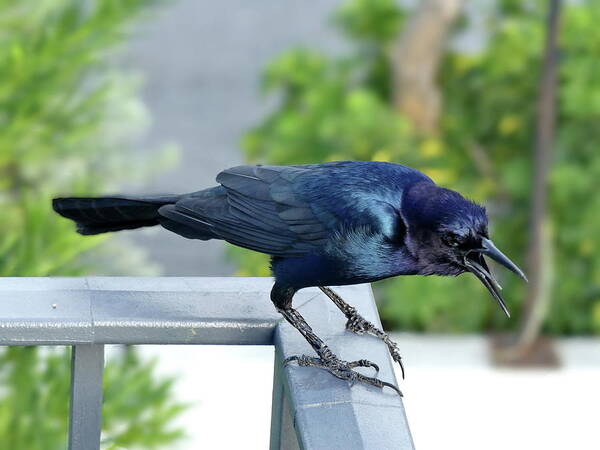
{"x":311,"y":409}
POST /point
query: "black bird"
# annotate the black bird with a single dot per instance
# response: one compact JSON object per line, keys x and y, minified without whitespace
{"x":329,"y":224}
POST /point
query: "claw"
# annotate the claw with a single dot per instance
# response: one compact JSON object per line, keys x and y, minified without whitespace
{"x":342,"y":369}
{"x":298,"y":359}
{"x":378,"y":383}
{"x":393,"y":348}
{"x":390,"y":385}
{"x":288,"y":360}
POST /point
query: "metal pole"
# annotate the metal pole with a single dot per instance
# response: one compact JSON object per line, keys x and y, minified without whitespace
{"x":276,"y":404}
{"x":87,"y":364}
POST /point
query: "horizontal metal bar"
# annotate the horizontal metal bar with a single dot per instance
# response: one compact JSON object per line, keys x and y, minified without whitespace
{"x":85,"y":412}
{"x":67,"y":311}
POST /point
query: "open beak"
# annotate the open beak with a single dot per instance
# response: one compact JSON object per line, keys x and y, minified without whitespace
{"x":489,"y":249}
{"x":475,"y":264}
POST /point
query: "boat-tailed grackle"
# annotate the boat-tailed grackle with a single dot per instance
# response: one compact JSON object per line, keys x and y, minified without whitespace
{"x":330,"y":224}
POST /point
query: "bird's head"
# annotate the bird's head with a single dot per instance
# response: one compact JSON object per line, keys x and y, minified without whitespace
{"x":448,"y":235}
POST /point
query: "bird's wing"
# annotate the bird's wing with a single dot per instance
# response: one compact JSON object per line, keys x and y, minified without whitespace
{"x":294,"y":210}
{"x":256,"y":207}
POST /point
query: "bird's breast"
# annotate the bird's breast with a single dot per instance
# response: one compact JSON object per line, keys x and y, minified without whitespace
{"x":352,"y":257}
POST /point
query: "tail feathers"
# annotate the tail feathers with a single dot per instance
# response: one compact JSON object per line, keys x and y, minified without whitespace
{"x":185,"y":225}
{"x":103,"y":214}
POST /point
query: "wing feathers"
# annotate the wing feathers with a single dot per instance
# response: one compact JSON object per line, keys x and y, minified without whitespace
{"x":255,"y":207}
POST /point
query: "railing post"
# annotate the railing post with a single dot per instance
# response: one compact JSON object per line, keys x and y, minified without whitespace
{"x":283,"y":435}
{"x":289,"y":439}
{"x":87,"y":364}
{"x":276,"y":405}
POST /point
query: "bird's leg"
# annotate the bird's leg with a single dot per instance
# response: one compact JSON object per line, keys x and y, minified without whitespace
{"x":359,"y":325}
{"x":326,"y":359}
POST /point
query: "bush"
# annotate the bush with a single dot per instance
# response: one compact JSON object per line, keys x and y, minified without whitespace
{"x":65,"y":125}
{"x":340,"y":108}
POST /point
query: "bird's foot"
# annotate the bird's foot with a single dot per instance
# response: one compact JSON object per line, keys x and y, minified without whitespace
{"x":359,"y":325}
{"x":341,"y":369}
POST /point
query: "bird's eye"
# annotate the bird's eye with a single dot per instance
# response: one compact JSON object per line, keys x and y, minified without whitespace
{"x":452,"y":239}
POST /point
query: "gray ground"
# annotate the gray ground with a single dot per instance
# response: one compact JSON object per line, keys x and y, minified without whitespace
{"x":201,"y":62}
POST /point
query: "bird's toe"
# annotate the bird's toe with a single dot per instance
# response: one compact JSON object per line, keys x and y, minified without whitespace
{"x":342,"y":369}
{"x":358,"y":325}
{"x":363,"y":363}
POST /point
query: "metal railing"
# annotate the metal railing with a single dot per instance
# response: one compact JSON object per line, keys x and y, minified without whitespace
{"x":311,"y":409}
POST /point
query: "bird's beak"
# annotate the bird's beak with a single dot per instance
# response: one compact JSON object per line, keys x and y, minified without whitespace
{"x":475,"y":264}
{"x":489,"y":249}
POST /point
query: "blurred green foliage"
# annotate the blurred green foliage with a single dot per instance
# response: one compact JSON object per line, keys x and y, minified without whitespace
{"x":137,"y":408}
{"x":333,"y":108}
{"x":66,"y":119}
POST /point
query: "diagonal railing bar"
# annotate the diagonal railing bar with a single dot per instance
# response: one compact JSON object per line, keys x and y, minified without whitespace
{"x":311,"y":409}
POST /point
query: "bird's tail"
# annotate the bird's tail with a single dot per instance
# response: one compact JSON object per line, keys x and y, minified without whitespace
{"x":95,"y":215}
